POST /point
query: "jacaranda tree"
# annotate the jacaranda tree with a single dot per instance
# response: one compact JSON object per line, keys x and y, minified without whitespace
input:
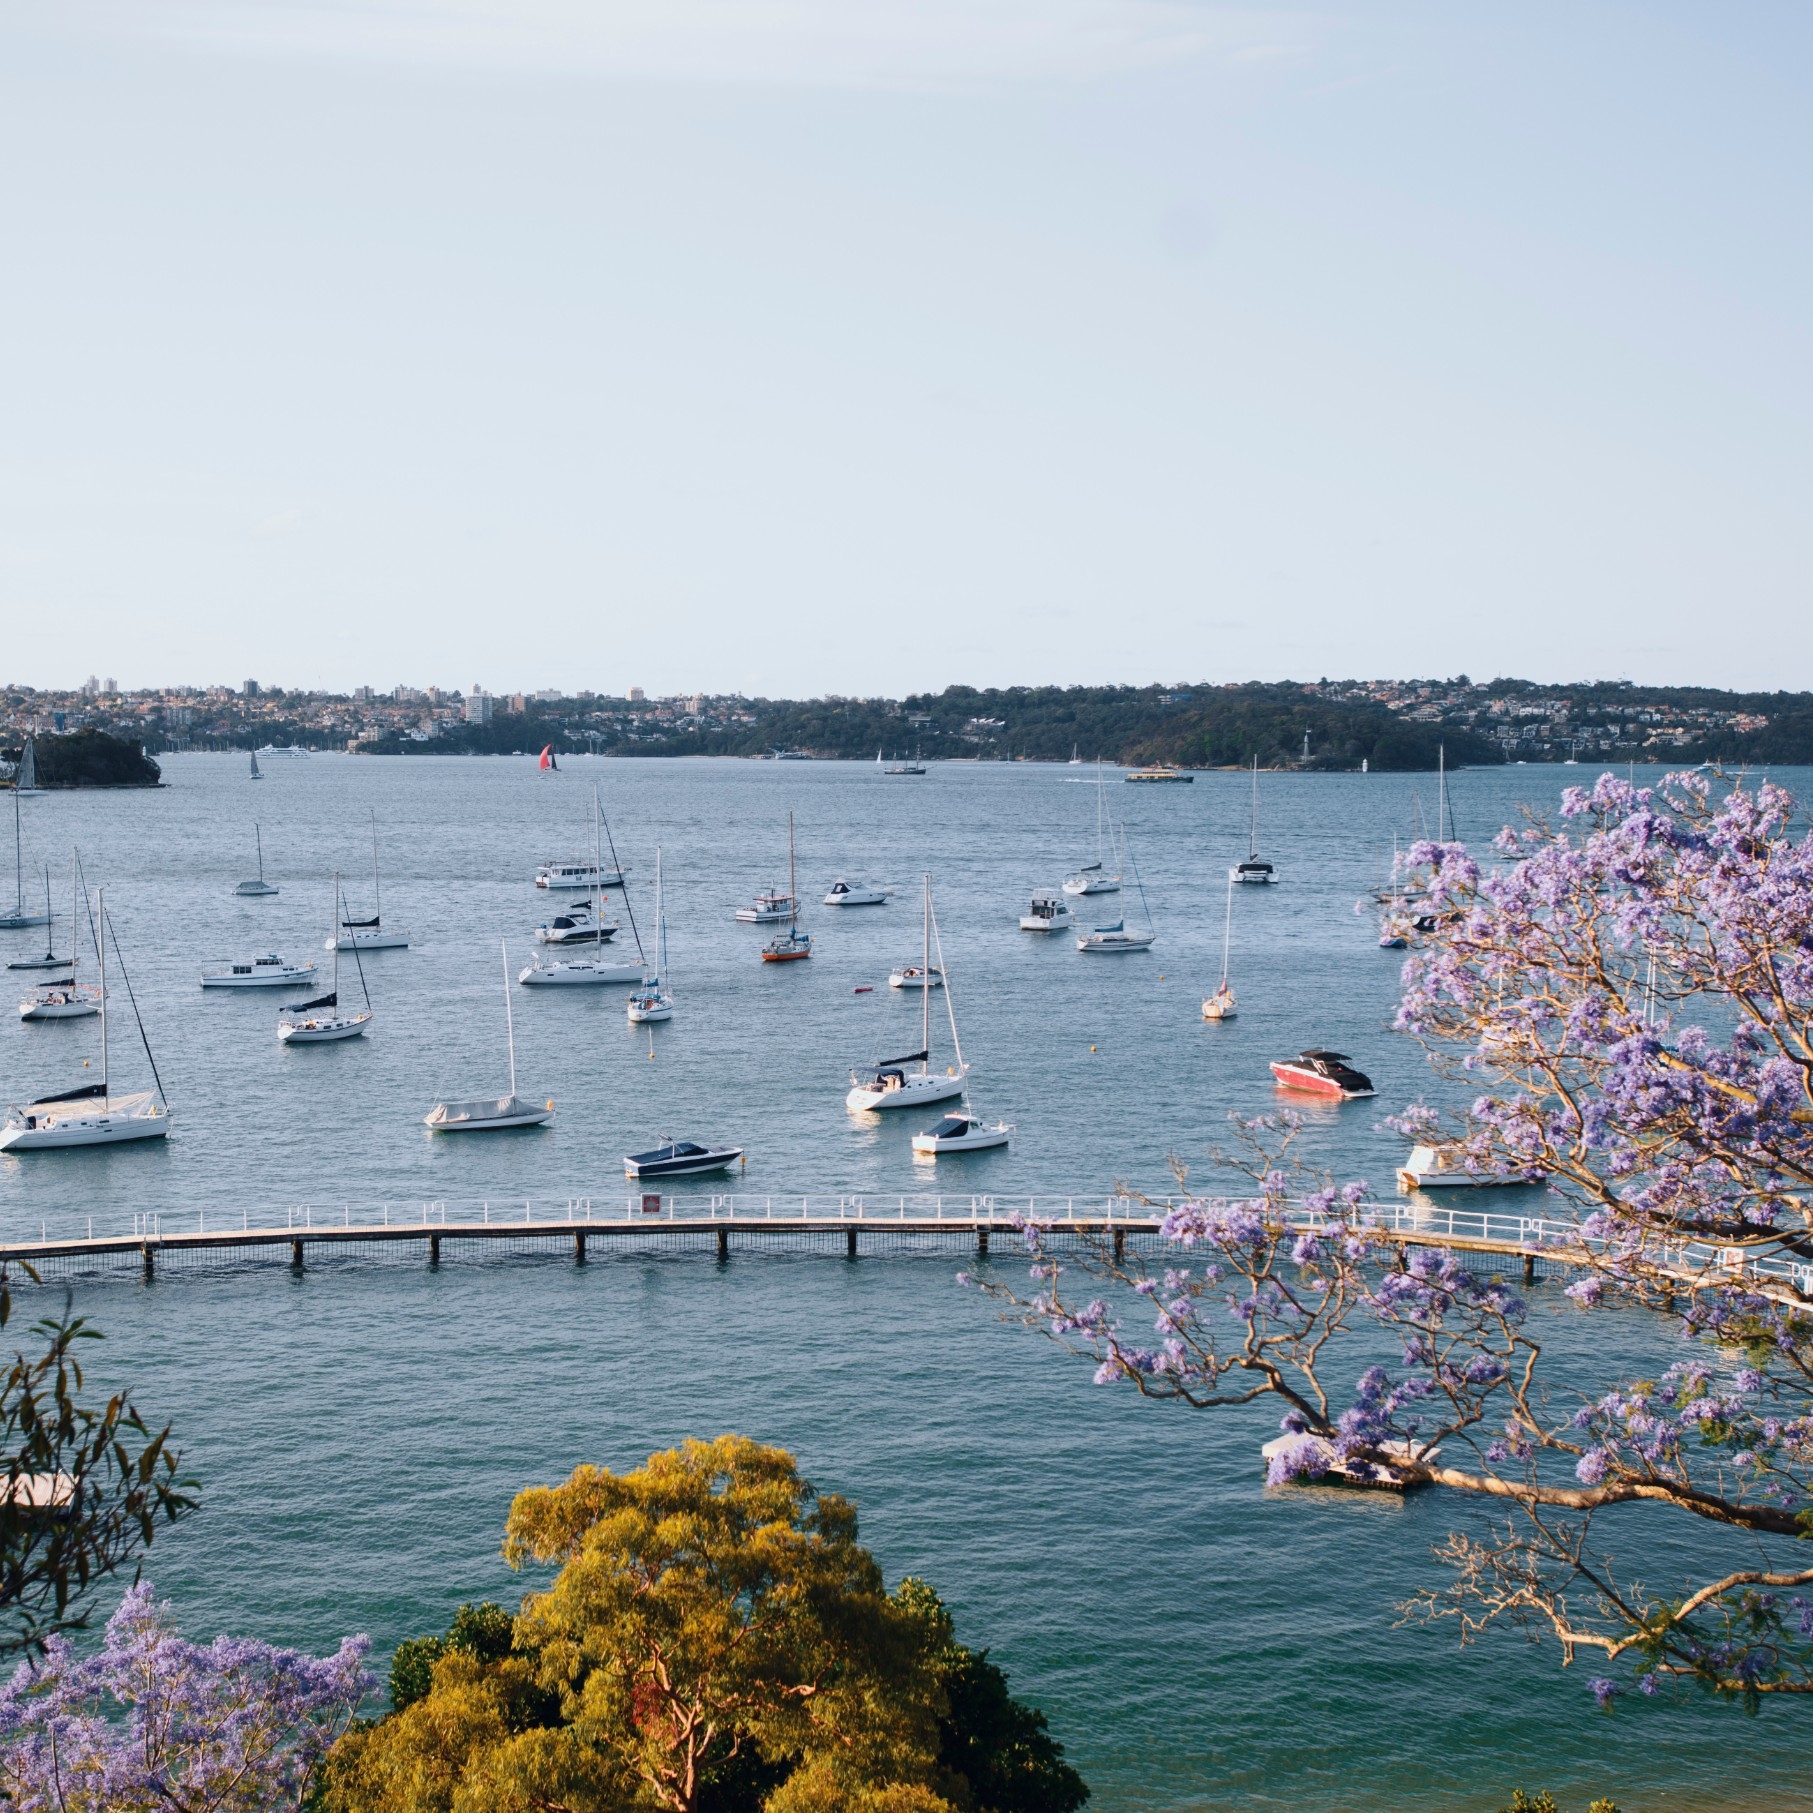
{"x":1628,"y":1000}
{"x":154,"y":1724}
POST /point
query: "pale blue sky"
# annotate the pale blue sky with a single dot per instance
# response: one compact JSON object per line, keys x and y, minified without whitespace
{"x":794,"y":346}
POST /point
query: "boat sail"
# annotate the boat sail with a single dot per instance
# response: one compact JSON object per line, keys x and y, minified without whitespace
{"x":491,"y":1114}
{"x":64,"y":998}
{"x":1253,"y":871}
{"x":793,"y":944}
{"x":1093,"y":877}
{"x":255,"y":775}
{"x":887,"y":1083}
{"x":368,"y":934}
{"x":25,"y":781}
{"x":91,"y":1114}
{"x":320,"y":1021}
{"x":21,"y":918}
{"x":1221,"y":1005}
{"x":253,"y":890}
{"x":652,"y":1000}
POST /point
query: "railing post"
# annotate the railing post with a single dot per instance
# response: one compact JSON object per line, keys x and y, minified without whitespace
{"x":296,"y":1255}
{"x":850,"y":1242}
{"x":579,"y":1247}
{"x":723,"y":1242}
{"x":434,"y":1249}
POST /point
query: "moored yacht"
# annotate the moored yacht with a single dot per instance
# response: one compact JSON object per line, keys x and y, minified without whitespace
{"x":888,"y":1083}
{"x":771,"y":908}
{"x":1047,"y":913}
{"x":961,"y":1131}
{"x":491,"y":1114}
{"x":258,"y":972}
{"x":793,"y":945}
{"x":1254,"y":871}
{"x":576,"y":923}
{"x":367,"y":934}
{"x":257,"y":888}
{"x":322,"y":1021}
{"x":652,"y":1001}
{"x":1326,"y":1073}
{"x":913,"y":975}
{"x":681,"y":1158}
{"x":1093,"y":877}
{"x":843,"y":894}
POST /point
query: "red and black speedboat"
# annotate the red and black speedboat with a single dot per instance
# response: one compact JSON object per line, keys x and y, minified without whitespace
{"x":1323,"y":1073}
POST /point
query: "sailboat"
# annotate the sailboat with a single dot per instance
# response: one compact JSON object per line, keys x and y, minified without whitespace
{"x":1221,"y":1005}
{"x":584,"y":923}
{"x":546,"y":762}
{"x":887,"y":1083}
{"x":1253,"y":871}
{"x":90,"y":1114}
{"x":255,"y":774}
{"x":25,"y":782}
{"x":20,"y":919}
{"x":50,"y":959}
{"x":492,"y":1114}
{"x":320,"y":1021}
{"x":252,"y":890}
{"x":1093,"y":877}
{"x":793,"y":944}
{"x":368,"y":934}
{"x":1120,"y":938}
{"x":652,"y":1001}
{"x":65,"y":998}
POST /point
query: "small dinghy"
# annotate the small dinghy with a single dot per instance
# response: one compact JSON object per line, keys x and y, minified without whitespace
{"x":961,"y":1132}
{"x":681,"y":1158}
{"x":913,"y":975}
{"x":843,"y":893}
{"x":1326,"y":1073}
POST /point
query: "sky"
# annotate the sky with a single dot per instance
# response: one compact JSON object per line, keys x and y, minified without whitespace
{"x":793,"y":347}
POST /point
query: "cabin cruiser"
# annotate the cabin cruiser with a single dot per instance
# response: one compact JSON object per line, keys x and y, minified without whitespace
{"x":681,"y":1158}
{"x":769,"y":909}
{"x":260,"y":972}
{"x":1048,"y":913}
{"x":1115,"y":939}
{"x":1323,"y":1073}
{"x":576,"y":924}
{"x":961,"y":1132}
{"x":578,"y":875}
{"x":842,"y":894}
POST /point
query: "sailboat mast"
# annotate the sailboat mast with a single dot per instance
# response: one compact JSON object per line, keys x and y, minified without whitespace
{"x":598,"y":876}
{"x":18,"y":858}
{"x":50,"y":942}
{"x":509,"y":1019}
{"x":792,"y":884}
{"x":101,"y":941}
{"x":258,"y":833}
{"x":660,"y":918}
{"x":377,"y":895}
{"x":944,"y":978}
{"x":1441,"y":796}
{"x":333,"y":936}
{"x":1252,"y":834}
{"x":925,"y":984}
{"x":1227,"y":930}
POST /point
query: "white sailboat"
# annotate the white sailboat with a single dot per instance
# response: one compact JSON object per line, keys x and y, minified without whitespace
{"x":652,"y":1001}
{"x":25,"y":782}
{"x":368,"y":934}
{"x":793,"y":945}
{"x":491,"y":1114}
{"x":584,"y":923}
{"x":1221,"y":1005}
{"x":64,"y":998}
{"x":50,"y":959}
{"x":255,"y":774}
{"x":320,"y":1021}
{"x":91,"y":1114}
{"x":21,"y":918}
{"x":1254,"y":872}
{"x":1120,"y":938}
{"x":251,"y":890}
{"x":887,"y":1083}
{"x":1093,"y":877}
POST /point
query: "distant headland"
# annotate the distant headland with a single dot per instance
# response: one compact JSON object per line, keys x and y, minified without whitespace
{"x":88,"y":757}
{"x":1322,"y":725}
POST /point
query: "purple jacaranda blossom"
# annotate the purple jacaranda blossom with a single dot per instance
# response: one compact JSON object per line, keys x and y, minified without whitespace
{"x":1603,"y":1690}
{"x":153,"y":1723}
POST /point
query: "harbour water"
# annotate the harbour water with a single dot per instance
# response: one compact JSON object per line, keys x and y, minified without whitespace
{"x":358,"y":1430}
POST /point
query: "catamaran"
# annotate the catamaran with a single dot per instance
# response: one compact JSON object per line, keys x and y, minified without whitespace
{"x":1221,"y":1005}
{"x":21,"y":918}
{"x":64,"y":998}
{"x":320,"y":1021}
{"x":1253,"y":871}
{"x":368,"y":934}
{"x":1093,"y":877}
{"x":251,"y":890}
{"x":492,"y":1114}
{"x":90,"y":1114}
{"x":887,"y":1083}
{"x":652,"y":1001}
{"x":793,"y":944}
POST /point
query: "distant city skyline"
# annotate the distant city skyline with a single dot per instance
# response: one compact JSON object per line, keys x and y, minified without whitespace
{"x":869,"y":349}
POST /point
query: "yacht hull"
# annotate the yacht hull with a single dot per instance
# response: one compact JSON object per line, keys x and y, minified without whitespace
{"x":368,"y":941}
{"x":321,"y":1032}
{"x":979,"y":1139}
{"x":915,"y":1092}
{"x":1298,"y":1076}
{"x":91,"y":1129}
{"x":581,"y":975}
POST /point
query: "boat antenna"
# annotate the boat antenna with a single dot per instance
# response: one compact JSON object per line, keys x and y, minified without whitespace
{"x":629,"y":906}
{"x":137,"y":1018}
{"x":509,"y":1019}
{"x":950,"y":1004}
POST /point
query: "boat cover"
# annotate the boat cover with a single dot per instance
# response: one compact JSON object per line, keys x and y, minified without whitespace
{"x":303,"y":1007}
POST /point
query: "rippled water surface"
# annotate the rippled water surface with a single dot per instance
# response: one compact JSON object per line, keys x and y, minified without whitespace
{"x":360,"y":1428}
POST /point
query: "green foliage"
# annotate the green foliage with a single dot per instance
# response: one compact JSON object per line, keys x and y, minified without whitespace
{"x":484,"y":1630}
{"x":1545,"y":1803}
{"x":92,"y":758}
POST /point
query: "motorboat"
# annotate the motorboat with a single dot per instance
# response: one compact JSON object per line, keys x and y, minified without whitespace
{"x":793,"y":945}
{"x":888,"y":1083}
{"x":1117,"y":938}
{"x":770,"y":909}
{"x":680,"y":1158}
{"x":491,"y":1114}
{"x":913,"y":975}
{"x":287,"y":751}
{"x":25,"y":779}
{"x":961,"y":1132}
{"x":321,"y":1021}
{"x":1253,"y":872}
{"x":1432,"y":1166}
{"x":580,"y":972}
{"x":843,"y":894}
{"x":91,"y":1114}
{"x":1159,"y":771}
{"x":578,"y":875}
{"x":368,"y":934}
{"x":1323,"y":1073}
{"x":1048,"y":913}
{"x":258,"y":887}
{"x":22,"y":918}
{"x":258,"y":972}
{"x":651,"y":1001}
{"x":1093,"y":877}
{"x":576,"y":924}
{"x":1221,"y":1005}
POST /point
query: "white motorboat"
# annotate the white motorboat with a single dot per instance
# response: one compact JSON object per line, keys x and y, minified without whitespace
{"x":1048,"y":913}
{"x":1094,"y":877}
{"x":1253,"y":872}
{"x":888,"y":1083}
{"x":257,"y":889}
{"x":1120,"y":938}
{"x":651,"y":1001}
{"x":793,"y":945}
{"x":492,"y":1114}
{"x":681,"y":1158}
{"x":843,"y":894}
{"x":1221,"y":1005}
{"x":21,"y":918}
{"x":258,"y":972}
{"x":368,"y":934}
{"x":961,"y":1132}
{"x":771,"y":908}
{"x":1442,"y":1167}
{"x":576,"y":924}
{"x":91,"y":1115}
{"x":912,"y":975}
{"x":286,"y":751}
{"x":578,"y":875}
{"x":322,"y":1021}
